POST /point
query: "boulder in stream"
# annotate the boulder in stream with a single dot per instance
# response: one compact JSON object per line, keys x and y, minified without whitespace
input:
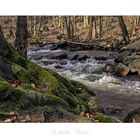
{"x":109,"y":67}
{"x":121,"y":69}
{"x":60,"y":56}
{"x":82,"y":58}
{"x":135,"y":66}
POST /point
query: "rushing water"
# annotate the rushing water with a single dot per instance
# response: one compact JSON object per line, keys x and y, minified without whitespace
{"x":112,"y":92}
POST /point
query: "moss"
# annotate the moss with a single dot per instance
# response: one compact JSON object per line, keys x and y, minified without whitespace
{"x":2,"y":76}
{"x":66,"y":82}
{"x":22,"y":74}
{"x":79,"y":108}
{"x":38,"y":98}
{"x":41,"y":75}
{"x":93,"y":104}
{"x":103,"y":118}
{"x":9,"y":52}
{"x":9,"y":106}
{"x":84,"y":96}
{"x":50,"y":90}
{"x":61,"y":91}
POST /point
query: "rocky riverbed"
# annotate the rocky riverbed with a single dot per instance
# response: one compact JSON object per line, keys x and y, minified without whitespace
{"x":118,"y":96}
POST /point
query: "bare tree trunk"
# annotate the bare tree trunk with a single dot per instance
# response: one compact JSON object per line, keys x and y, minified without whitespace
{"x":21,"y":35}
{"x":38,"y":30}
{"x":124,"y":29}
{"x":31,"y":25}
{"x":106,"y":22}
{"x":138,"y":20}
{"x":86,"y":21}
{"x":90,"y":28}
{"x":95,"y":27}
{"x":71,"y":29}
{"x":74,"y":24}
{"x":67,"y":26}
{"x":100,"y":28}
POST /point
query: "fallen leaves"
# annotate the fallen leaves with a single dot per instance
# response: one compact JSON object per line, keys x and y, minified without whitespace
{"x":89,"y":116}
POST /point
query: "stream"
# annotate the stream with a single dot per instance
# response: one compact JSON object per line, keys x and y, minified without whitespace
{"x":117,"y":96}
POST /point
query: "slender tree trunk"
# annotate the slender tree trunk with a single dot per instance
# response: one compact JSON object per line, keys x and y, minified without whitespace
{"x":95,"y":27}
{"x":31,"y":25}
{"x":86,"y":21}
{"x":106,"y":22}
{"x":90,"y":29}
{"x":71,"y":28}
{"x":74,"y":24}
{"x":66,"y":22}
{"x":138,"y":20}
{"x":21,"y":35}
{"x":38,"y":30}
{"x":124,"y":29}
{"x":100,"y":28}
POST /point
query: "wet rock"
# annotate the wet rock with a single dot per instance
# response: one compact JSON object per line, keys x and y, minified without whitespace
{"x":121,"y":69}
{"x":48,"y":47}
{"x":129,"y":59}
{"x":135,"y":66}
{"x":112,"y":110}
{"x":35,"y":57}
{"x":100,"y":58}
{"x":90,"y":69}
{"x":49,"y":62}
{"x":81,"y":58}
{"x":60,"y":56}
{"x":75,"y":57}
{"x":109,"y":67}
{"x":133,"y":116}
{"x":74,"y":49}
{"x":92,"y":78}
{"x":122,"y":55}
{"x":98,"y":70}
{"x":58,"y":67}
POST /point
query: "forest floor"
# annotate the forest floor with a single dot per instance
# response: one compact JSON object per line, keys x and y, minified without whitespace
{"x":51,"y":33}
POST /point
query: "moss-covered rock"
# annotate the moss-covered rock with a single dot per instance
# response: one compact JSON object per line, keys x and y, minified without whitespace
{"x":25,"y":86}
